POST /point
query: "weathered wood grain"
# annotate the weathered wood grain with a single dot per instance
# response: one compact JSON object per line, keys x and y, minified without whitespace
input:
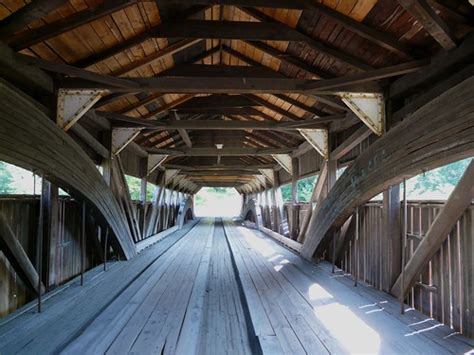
{"x":438,"y":133}
{"x":17,"y":255}
{"x":28,"y":138}
{"x":455,"y":206}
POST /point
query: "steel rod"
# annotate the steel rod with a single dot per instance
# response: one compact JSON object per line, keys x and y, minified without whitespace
{"x":83,"y":242}
{"x":356,"y":247}
{"x":333,"y":252}
{"x":105,"y":247}
{"x":404,"y":242}
{"x":39,"y":243}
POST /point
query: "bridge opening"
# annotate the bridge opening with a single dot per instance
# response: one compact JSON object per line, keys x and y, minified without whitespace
{"x":217,"y":202}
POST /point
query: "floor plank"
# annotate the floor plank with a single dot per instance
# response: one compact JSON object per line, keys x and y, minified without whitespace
{"x":344,"y":318}
{"x":66,"y":314}
{"x":220,"y":288}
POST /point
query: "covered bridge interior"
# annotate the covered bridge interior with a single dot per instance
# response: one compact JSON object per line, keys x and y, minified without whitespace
{"x":249,"y":95}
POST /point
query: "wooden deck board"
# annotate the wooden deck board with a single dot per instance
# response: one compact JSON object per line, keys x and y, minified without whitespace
{"x":343,"y":313}
{"x":65,"y":314}
{"x":224,"y":318}
{"x":218,"y":289}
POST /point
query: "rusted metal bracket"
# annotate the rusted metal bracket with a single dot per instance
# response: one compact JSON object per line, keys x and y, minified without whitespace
{"x":285,"y":161}
{"x":268,"y":173}
{"x":318,"y":138}
{"x":260,"y":179}
{"x":154,"y":161}
{"x":73,"y":104}
{"x":121,"y":137}
{"x":170,"y":174}
{"x":369,"y":107}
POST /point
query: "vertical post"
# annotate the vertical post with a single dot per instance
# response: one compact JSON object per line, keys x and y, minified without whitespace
{"x":331,"y":180}
{"x":294,"y":180}
{"x":294,"y":198}
{"x":49,"y":201}
{"x":83,"y":242}
{"x":274,"y":207}
{"x":106,"y":247}
{"x":143,"y":181}
{"x":404,"y":245}
{"x":39,"y":243}
{"x":391,"y":234}
{"x":333,"y":252}
{"x":143,"y":186}
{"x":332,"y":174}
{"x":268,"y":205}
{"x":107,"y":163}
{"x":356,"y":247}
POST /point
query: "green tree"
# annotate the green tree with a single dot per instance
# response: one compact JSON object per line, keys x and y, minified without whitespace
{"x":6,"y":180}
{"x":218,"y":189}
{"x":286,"y":192}
{"x":434,"y":180}
{"x":305,"y":188}
{"x":134,"y":187}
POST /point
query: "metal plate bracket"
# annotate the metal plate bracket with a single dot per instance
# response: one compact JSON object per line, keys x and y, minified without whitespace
{"x":268,"y":173}
{"x":285,"y":161}
{"x":154,"y":161}
{"x":318,"y":138}
{"x":121,"y":137}
{"x":369,"y":107}
{"x":73,"y":104}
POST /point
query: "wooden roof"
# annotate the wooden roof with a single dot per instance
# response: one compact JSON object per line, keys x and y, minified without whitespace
{"x":329,"y":39}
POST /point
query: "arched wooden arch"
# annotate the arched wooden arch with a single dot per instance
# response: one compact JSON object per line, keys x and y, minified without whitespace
{"x":185,"y":212}
{"x":250,"y":212}
{"x":40,"y":145}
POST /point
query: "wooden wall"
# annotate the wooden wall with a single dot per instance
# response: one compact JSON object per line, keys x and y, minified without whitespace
{"x":21,"y":213}
{"x":451,"y":270}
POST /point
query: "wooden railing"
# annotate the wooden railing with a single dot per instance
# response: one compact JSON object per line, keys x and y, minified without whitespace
{"x":21,"y":212}
{"x":445,"y":288}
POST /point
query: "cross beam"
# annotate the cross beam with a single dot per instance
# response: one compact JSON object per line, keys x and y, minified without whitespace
{"x":125,"y":121}
{"x":208,"y":151}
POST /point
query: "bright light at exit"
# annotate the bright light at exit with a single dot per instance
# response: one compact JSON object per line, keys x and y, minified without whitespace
{"x":217,"y":202}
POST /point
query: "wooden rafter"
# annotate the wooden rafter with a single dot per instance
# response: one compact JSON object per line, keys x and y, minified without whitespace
{"x":168,"y":106}
{"x":380,"y":38}
{"x":217,"y":101}
{"x":130,"y":42}
{"x":183,"y":133}
{"x":373,"y":75}
{"x":311,"y":71}
{"x":31,"y":37}
{"x":431,"y":22}
{"x":166,"y":124}
{"x":350,"y":143}
{"x":212,"y":151}
{"x":310,"y":109}
{"x":154,"y":57}
{"x":321,"y":47}
{"x":27,"y":14}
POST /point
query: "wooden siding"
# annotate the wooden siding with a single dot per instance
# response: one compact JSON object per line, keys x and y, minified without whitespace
{"x":451,"y":270}
{"x":22,"y":214}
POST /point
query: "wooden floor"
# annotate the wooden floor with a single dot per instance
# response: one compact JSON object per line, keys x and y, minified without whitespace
{"x":222,"y":289}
